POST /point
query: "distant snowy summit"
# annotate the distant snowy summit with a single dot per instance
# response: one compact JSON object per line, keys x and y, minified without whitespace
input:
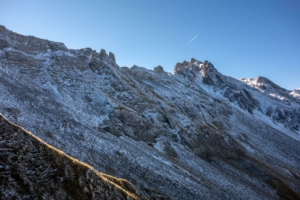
{"x":264,"y":85}
{"x":295,"y":93}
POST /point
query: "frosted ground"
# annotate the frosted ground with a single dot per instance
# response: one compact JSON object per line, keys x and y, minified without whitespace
{"x":190,"y":134}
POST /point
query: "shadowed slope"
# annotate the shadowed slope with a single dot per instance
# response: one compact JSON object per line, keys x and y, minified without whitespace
{"x":32,"y":169}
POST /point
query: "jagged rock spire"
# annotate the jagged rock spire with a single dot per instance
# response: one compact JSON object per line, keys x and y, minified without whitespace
{"x":103,"y":53}
{"x":158,"y":69}
{"x":112,"y":56}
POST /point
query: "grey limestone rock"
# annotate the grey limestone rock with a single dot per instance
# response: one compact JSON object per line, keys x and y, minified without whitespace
{"x":112,"y":56}
{"x":191,"y":134}
{"x":103,"y":53}
{"x":158,"y":69}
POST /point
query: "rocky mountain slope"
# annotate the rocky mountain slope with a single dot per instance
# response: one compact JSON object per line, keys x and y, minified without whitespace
{"x":190,"y":134}
{"x":32,"y":169}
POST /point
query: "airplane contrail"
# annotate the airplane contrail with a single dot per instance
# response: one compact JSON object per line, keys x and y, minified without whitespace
{"x":193,"y":39}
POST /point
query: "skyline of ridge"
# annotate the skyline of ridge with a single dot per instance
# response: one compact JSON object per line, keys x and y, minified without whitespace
{"x":242,"y":39}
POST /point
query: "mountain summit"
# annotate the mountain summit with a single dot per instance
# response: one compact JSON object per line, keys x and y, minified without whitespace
{"x":190,"y":134}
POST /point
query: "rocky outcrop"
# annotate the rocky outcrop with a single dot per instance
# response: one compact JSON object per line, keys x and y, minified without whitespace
{"x":243,"y":98}
{"x":207,"y":74}
{"x":158,"y":69}
{"x":174,"y":135}
{"x":290,"y":118}
{"x":112,"y":56}
{"x":3,"y":44}
{"x":103,"y":53}
{"x":210,"y":75}
{"x":32,"y":169}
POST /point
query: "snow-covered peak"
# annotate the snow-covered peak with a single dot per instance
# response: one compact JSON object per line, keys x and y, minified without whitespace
{"x":262,"y":83}
{"x":295,"y":93}
{"x":269,"y":88}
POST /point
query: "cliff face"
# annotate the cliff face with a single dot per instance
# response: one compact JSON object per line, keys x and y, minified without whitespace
{"x":190,"y":134}
{"x":32,"y":169}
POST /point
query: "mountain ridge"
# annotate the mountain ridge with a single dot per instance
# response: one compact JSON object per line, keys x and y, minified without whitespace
{"x":193,"y":134}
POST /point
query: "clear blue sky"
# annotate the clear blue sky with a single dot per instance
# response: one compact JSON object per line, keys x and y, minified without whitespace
{"x":242,"y":38}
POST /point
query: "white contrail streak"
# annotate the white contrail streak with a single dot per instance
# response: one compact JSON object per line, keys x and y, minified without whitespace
{"x":193,"y":39}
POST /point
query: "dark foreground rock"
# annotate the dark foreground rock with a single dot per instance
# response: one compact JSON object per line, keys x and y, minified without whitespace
{"x":32,"y":169}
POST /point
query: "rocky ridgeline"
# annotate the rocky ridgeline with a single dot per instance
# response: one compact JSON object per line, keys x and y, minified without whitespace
{"x":190,"y":134}
{"x":263,"y":95}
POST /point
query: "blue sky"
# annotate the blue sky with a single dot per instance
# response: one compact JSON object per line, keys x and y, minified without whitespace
{"x":242,"y":38}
